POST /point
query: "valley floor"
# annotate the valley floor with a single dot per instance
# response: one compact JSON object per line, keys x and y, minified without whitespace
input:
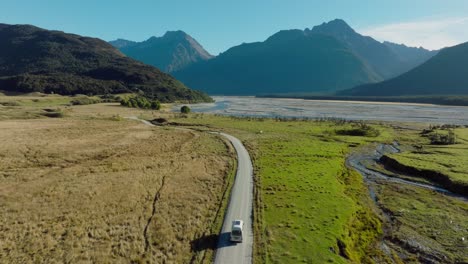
{"x":311,"y":208}
{"x":90,"y":185}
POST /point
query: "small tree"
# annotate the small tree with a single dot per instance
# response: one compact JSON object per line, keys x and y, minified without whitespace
{"x":155,"y":105}
{"x":124,"y":102}
{"x":185,"y":109}
{"x":451,"y":137}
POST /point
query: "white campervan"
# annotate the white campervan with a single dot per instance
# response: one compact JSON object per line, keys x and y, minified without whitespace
{"x":236,"y":232}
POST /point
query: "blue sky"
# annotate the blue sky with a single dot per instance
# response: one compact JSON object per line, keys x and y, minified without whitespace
{"x":219,"y":24}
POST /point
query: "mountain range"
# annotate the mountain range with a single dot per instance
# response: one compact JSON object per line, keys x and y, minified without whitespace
{"x":386,"y":59}
{"x":171,"y":52}
{"x":330,"y":58}
{"x":444,"y":74}
{"x":289,"y":61}
{"x":35,"y":59}
{"x":327,"y":58}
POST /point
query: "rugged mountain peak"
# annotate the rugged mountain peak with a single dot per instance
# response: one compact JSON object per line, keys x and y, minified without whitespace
{"x":387,"y":60}
{"x":175,"y":34}
{"x":401,"y":45}
{"x":337,"y":26}
{"x":290,"y":61}
{"x":173,"y":51}
{"x":122,"y":43}
{"x":286,"y":35}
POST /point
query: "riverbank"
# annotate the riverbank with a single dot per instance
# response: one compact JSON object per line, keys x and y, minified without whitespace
{"x":310,"y":109}
{"x":461,"y":100}
{"x":423,"y":222}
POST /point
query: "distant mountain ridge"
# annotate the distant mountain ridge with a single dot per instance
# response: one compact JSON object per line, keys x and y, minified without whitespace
{"x":290,"y":62}
{"x":171,"y":52}
{"x":289,"y":59}
{"x":444,"y":74}
{"x":416,"y":56}
{"x":35,"y":59}
{"x":386,"y":59}
{"x":122,"y":43}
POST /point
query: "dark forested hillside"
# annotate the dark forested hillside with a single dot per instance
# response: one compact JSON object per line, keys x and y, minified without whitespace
{"x":34,"y":59}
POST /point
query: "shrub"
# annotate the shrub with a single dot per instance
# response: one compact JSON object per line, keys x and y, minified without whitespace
{"x":53,"y":113}
{"x":160,"y":120}
{"x":359,"y":129}
{"x":185,"y":109}
{"x":140,"y":102}
{"x":442,"y":139}
{"x":10,"y":103}
{"x":116,"y":118}
{"x":124,"y":102}
{"x":155,"y":105}
{"x":109,"y":98}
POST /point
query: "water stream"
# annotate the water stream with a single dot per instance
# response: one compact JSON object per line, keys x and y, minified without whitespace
{"x":358,"y":159}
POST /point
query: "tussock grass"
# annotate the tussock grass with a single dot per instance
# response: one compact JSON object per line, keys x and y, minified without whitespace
{"x":83,"y":190}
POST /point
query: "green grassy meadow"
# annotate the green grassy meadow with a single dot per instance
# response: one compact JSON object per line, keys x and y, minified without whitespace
{"x":425,"y":223}
{"x":310,"y":207}
{"x":450,"y":160}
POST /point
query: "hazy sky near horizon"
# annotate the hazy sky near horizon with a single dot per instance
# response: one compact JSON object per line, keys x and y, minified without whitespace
{"x":219,"y":24}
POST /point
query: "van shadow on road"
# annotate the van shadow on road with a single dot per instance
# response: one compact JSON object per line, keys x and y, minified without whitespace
{"x":213,"y":241}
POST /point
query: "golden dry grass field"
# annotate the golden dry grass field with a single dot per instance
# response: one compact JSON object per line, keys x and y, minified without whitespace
{"x":89,"y":188}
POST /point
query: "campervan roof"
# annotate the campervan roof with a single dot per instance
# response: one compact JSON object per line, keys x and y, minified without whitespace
{"x":237,"y":223}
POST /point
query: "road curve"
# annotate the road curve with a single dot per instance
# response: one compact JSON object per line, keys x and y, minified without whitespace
{"x":239,"y":207}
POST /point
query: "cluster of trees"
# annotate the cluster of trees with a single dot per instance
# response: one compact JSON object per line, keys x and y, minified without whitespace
{"x":140,"y":102}
{"x":443,"y":139}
